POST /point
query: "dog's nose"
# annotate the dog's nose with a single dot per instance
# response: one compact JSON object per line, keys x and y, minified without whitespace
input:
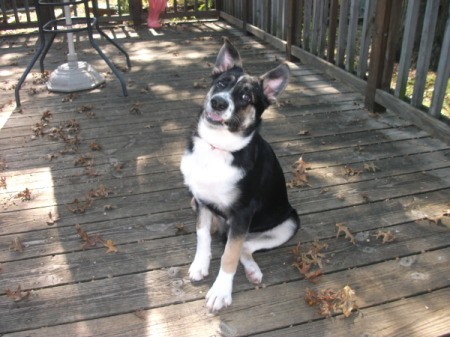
{"x":219,"y":104}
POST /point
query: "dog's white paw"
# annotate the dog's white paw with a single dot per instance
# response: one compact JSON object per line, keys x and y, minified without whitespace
{"x":199,"y":269}
{"x":254,"y":275}
{"x":219,"y":296}
{"x":252,"y":271}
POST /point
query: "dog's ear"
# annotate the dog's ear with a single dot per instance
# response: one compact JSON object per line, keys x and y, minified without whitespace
{"x":275,"y":81}
{"x":228,"y":58}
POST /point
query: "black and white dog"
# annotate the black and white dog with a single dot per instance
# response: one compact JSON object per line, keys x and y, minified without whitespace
{"x":234,"y":175}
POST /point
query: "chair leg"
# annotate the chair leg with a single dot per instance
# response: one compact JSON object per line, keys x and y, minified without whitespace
{"x":29,"y":67}
{"x":108,"y":61}
{"x":45,"y":51}
{"x":97,"y":26}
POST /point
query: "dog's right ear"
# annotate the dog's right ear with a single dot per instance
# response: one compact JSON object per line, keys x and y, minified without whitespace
{"x":228,"y":58}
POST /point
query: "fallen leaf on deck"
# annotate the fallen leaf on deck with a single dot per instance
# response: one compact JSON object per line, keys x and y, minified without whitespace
{"x":300,"y":176}
{"x":109,"y":207}
{"x":135,"y":109}
{"x":344,"y":229}
{"x":69,"y":98}
{"x":95,"y":147}
{"x":84,"y":160}
{"x":88,"y":240}
{"x":24,"y":195}
{"x":309,"y":263}
{"x":80,"y":206}
{"x":349,"y":171}
{"x":140,"y":313}
{"x":100,"y":192}
{"x":17,"y":295}
{"x":3,"y":182}
{"x":386,"y":236}
{"x":441,"y":219}
{"x":370,"y":167}
{"x":331,"y":301}
{"x":16,"y":245}
{"x":51,"y":220}
{"x":110,"y":245}
{"x":303,"y":133}
{"x":46,"y":116}
{"x":181,"y":228}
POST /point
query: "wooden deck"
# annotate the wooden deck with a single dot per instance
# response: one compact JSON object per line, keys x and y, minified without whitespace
{"x":369,"y":172}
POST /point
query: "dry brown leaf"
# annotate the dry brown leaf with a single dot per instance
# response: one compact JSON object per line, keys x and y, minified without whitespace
{"x":16,"y":245}
{"x":51,"y":220}
{"x":341,"y":227}
{"x":136,"y":109}
{"x":95,"y":147}
{"x":140,"y":313}
{"x":370,"y":167}
{"x":347,"y":301}
{"x":80,"y":206}
{"x":46,"y":116}
{"x":303,"y":133}
{"x":84,"y":160}
{"x":386,"y":236}
{"x":181,"y":228}
{"x":17,"y":295}
{"x":300,"y":176}
{"x":309,"y":263}
{"x":3,"y":183}
{"x":88,"y":240}
{"x":110,"y":245}
{"x":69,"y":98}
{"x":24,"y":195}
{"x":100,"y":192}
{"x":349,"y":171}
{"x":331,"y":301}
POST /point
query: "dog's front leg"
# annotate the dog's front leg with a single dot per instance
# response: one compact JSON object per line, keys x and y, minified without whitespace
{"x":219,"y":296}
{"x":200,"y":266}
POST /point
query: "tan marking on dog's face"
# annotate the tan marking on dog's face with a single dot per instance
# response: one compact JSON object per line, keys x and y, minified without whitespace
{"x":230,"y":257}
{"x":247,"y":117}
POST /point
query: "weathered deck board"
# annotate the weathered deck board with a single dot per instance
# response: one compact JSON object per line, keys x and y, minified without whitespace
{"x":318,"y":118}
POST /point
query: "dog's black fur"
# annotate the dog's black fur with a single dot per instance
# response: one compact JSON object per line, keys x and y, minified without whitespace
{"x":248,"y":195}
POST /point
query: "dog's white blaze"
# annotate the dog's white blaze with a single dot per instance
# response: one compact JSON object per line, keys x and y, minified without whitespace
{"x":209,"y":174}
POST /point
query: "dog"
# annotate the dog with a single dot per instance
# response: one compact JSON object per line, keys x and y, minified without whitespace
{"x":234,"y":176}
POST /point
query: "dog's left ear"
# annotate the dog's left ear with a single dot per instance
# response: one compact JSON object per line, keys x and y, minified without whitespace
{"x":275,"y":81}
{"x":228,"y":58}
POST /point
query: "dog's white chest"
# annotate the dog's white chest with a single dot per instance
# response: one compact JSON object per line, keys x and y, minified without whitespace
{"x":209,"y":174}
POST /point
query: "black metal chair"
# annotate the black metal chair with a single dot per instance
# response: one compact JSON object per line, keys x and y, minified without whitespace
{"x":48,"y":24}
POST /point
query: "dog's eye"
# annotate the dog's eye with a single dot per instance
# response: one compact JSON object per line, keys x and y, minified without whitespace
{"x":221,"y":84}
{"x":246,"y":98}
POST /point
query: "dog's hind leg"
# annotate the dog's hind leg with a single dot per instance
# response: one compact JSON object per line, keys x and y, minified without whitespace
{"x":265,"y":240}
{"x":200,"y":266}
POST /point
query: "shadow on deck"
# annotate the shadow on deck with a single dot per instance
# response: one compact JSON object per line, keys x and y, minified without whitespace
{"x":110,"y":164}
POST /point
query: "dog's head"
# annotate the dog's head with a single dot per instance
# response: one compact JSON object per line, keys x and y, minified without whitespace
{"x":237,"y":100}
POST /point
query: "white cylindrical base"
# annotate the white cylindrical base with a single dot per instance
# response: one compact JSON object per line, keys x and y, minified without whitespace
{"x":67,"y":78}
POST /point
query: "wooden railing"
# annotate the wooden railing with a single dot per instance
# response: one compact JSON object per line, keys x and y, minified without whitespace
{"x":369,"y":44}
{"x":17,"y":14}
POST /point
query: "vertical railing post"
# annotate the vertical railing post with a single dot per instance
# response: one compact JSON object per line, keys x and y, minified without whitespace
{"x":290,"y":29}
{"x":245,"y":15}
{"x":136,"y":12}
{"x":334,"y":6}
{"x":379,"y":42}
